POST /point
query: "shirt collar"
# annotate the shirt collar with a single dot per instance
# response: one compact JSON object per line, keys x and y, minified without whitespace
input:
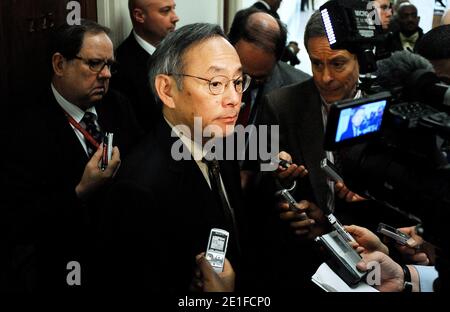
{"x":74,"y":111}
{"x":150,"y":49}
{"x":194,"y":148}
{"x":358,"y":95}
{"x":265,"y":4}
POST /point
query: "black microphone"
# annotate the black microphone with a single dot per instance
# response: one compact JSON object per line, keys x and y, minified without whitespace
{"x":416,"y":75}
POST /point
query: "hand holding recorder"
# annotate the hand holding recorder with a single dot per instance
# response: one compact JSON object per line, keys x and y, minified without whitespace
{"x":94,"y":177}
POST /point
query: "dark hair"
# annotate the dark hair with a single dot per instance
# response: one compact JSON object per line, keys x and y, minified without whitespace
{"x":314,"y":28}
{"x":435,"y":44}
{"x":268,"y":40}
{"x":68,"y":39}
{"x":168,"y":57}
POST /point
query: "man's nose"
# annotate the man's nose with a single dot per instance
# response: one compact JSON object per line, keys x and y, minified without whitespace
{"x":105,"y":73}
{"x":231,"y":96}
{"x":327,"y":76}
{"x":175,"y":17}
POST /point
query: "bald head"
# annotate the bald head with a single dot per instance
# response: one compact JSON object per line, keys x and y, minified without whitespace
{"x":264,"y":21}
{"x":408,"y":18}
{"x":260,"y":29}
{"x":153,"y":19}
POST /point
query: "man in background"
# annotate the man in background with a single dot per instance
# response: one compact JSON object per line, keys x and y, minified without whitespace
{"x":268,"y":6}
{"x":152,"y":20}
{"x":53,"y":178}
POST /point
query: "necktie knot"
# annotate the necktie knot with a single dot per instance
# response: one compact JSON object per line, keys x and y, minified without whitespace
{"x":213,"y":165}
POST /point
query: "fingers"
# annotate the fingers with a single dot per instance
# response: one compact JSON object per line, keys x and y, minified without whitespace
{"x":95,"y":159}
{"x":421,"y":258}
{"x":114,"y":163}
{"x":302,"y":225}
{"x":287,"y":214}
{"x":227,"y":269}
{"x":294,"y":171}
{"x":205,"y":267}
{"x":344,"y":193}
{"x":285,"y":156}
{"x":408,"y":230}
{"x":354,"y":230}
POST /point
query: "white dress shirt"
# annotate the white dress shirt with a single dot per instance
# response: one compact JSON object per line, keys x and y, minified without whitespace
{"x":144,"y":44}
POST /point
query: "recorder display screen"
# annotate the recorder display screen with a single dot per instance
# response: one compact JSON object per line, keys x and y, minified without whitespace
{"x":357,"y":121}
{"x":218,"y":243}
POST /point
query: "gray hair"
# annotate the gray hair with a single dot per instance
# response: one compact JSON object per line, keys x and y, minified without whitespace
{"x":314,"y":28}
{"x":169,"y":56}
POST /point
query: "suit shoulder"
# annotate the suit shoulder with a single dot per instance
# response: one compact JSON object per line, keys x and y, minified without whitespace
{"x":293,"y":74}
{"x":294,"y":91}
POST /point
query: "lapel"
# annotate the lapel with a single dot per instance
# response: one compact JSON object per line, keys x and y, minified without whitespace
{"x":310,"y":132}
{"x":65,"y":148}
{"x":184,"y":172}
{"x":105,"y":115}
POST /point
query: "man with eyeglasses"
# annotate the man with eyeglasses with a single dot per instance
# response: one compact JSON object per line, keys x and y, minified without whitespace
{"x":175,"y":187}
{"x":54,"y":176}
{"x":152,"y":20}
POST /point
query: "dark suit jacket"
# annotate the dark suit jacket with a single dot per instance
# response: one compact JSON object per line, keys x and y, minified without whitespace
{"x":297,"y":110}
{"x":132,"y":80}
{"x":396,"y":43}
{"x":159,"y":215}
{"x":282,"y":75}
{"x":49,"y":225}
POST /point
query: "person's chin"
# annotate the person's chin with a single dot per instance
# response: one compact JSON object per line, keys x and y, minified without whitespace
{"x":331,"y":99}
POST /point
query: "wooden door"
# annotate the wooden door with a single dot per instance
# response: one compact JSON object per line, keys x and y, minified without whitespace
{"x":24,"y":36}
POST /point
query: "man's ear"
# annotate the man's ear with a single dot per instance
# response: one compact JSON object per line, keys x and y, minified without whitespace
{"x":164,"y":85}
{"x":138,"y":15}
{"x":58,"y":63}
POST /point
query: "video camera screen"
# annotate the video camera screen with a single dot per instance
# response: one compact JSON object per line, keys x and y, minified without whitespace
{"x":350,"y":121}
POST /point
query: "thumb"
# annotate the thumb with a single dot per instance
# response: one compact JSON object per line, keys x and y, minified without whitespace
{"x":206,"y":269}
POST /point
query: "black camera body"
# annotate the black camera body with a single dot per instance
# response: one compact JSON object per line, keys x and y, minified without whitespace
{"x":390,"y":141}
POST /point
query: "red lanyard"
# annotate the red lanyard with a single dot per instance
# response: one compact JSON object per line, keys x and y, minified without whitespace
{"x":83,"y":131}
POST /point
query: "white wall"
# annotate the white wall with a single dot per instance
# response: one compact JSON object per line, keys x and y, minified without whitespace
{"x":114,"y":14}
{"x":194,"y":11}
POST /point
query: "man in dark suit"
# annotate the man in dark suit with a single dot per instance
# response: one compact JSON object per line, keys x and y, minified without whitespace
{"x":170,"y":193}
{"x":152,"y":21}
{"x":53,"y":175}
{"x":301,"y":110}
{"x":259,"y":40}
{"x":409,"y":32}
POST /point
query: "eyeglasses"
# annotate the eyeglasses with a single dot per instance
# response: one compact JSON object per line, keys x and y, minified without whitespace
{"x":218,"y":84}
{"x":97,"y":65}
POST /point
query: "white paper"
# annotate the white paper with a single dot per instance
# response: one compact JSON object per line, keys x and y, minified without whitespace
{"x":329,"y":281}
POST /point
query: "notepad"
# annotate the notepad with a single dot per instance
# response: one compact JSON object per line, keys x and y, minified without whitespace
{"x":329,"y":281}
